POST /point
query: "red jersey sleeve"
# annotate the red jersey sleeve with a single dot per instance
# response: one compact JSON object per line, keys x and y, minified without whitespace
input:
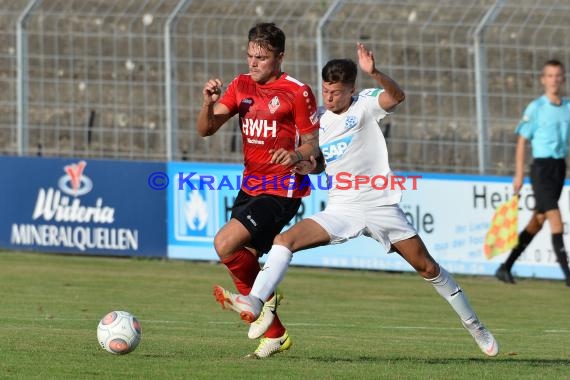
{"x":306,"y":118}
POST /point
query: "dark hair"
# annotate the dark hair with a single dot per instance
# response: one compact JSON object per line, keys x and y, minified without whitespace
{"x":340,"y":70}
{"x":268,"y":36}
{"x":554,"y":62}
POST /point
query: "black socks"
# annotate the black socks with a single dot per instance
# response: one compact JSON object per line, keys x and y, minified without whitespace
{"x":560,"y":251}
{"x":525,"y":238}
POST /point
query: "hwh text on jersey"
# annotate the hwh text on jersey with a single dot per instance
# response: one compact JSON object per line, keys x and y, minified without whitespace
{"x":258,"y":128}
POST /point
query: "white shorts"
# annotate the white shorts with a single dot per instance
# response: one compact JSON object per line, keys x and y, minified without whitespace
{"x":385,"y":224}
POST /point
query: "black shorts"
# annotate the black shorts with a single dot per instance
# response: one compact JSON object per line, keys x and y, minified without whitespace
{"x":547,"y":179}
{"x":264,"y":216}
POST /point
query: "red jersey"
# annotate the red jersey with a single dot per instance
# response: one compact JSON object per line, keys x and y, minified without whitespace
{"x":271,"y":116}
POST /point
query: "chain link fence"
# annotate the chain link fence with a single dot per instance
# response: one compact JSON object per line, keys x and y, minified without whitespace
{"x":122,"y":79}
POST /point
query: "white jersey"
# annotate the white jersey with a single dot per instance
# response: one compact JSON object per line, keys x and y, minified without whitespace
{"x":355,"y":153}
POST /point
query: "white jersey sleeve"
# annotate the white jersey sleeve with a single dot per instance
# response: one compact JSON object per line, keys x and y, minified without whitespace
{"x":370,"y":98}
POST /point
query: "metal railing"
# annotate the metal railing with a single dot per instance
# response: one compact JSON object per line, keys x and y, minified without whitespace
{"x":123,"y":79}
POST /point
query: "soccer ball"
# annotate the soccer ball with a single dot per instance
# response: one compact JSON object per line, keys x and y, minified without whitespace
{"x":119,"y":332}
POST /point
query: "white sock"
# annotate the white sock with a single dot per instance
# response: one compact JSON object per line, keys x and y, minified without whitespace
{"x":450,"y":290}
{"x":273,"y":271}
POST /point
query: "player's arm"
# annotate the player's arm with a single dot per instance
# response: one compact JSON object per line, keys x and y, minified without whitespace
{"x":311,"y":166}
{"x":519,"y":164}
{"x":308,"y":146}
{"x":212,"y":114}
{"x":392,"y":94}
{"x":308,"y":124}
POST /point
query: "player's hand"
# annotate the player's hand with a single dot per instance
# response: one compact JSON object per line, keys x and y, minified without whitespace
{"x":305,"y":167}
{"x":283,"y":157}
{"x":365,"y":58}
{"x":212,"y":91}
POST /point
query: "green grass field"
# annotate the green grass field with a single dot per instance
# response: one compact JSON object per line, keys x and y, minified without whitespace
{"x":344,"y":324}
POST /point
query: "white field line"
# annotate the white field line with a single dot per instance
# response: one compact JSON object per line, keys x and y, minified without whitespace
{"x":186,"y":322}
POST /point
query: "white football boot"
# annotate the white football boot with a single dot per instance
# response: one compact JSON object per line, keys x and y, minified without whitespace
{"x":258,"y":327}
{"x":485,"y":340}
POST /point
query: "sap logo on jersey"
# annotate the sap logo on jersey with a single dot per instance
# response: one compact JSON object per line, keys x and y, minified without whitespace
{"x":336,"y":149}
